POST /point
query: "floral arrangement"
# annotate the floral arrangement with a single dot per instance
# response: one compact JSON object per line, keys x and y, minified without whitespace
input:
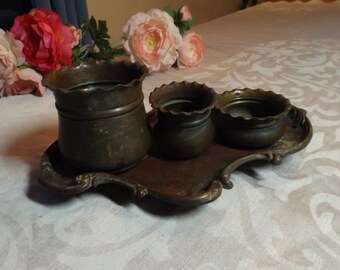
{"x":39,"y":42}
{"x":160,"y":38}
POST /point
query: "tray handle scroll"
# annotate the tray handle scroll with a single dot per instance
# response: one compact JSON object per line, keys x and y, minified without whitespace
{"x":274,"y":158}
{"x":98,"y":178}
{"x":69,"y":186}
{"x":209,"y":194}
{"x":48,"y":177}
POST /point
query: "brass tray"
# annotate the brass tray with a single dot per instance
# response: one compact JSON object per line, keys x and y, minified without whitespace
{"x":190,"y":182}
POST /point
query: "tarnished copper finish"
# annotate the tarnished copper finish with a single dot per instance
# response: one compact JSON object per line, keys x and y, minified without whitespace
{"x":184,"y":128}
{"x":184,"y":182}
{"x":102,"y":119}
{"x":251,"y":117}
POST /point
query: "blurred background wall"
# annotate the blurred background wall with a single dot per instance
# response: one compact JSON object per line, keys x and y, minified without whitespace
{"x":117,"y":12}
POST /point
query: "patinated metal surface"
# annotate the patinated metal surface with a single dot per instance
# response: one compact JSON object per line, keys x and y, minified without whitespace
{"x":102,"y":119}
{"x":186,"y":182}
{"x":184,"y":128}
{"x":251,"y":117}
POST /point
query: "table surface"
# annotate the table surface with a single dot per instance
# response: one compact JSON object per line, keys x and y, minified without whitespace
{"x":275,"y":217}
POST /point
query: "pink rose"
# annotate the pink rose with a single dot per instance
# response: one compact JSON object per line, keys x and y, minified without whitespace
{"x":192,"y":50}
{"x":77,"y":35}
{"x":47,"y":41}
{"x":152,"y":39}
{"x":11,"y":54}
{"x":23,"y":81}
{"x":186,"y":15}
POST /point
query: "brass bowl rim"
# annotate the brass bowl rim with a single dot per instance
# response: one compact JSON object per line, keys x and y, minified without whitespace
{"x":271,"y":96}
{"x":155,"y":93}
{"x":48,"y":82}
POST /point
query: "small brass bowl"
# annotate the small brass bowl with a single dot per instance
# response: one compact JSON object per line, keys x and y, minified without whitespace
{"x":250,"y":117}
{"x":184,"y":129}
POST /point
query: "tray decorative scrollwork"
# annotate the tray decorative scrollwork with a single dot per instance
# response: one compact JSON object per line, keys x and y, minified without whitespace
{"x":184,"y":182}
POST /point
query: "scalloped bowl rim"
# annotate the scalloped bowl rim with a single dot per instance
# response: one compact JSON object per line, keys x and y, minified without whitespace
{"x":285,"y":102}
{"x":179,"y":113}
{"x":144,"y":69}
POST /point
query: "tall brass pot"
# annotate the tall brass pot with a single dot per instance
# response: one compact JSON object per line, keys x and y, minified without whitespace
{"x":102,"y":119}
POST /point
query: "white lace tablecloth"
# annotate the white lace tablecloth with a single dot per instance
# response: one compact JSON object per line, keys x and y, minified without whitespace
{"x":275,"y":217}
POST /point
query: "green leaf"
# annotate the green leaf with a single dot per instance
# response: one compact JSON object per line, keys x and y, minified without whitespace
{"x":101,"y":48}
{"x":167,"y":9}
{"x":183,"y":26}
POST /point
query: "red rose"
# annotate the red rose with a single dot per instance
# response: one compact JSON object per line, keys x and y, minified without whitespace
{"x":47,"y":41}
